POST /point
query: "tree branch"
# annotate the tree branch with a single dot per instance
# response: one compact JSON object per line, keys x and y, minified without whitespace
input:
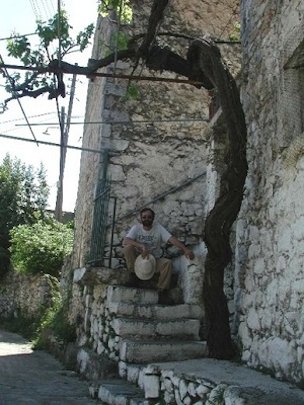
{"x":95,"y":64}
{"x":156,"y":16}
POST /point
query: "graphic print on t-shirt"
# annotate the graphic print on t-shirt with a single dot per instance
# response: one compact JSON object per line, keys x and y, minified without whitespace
{"x":152,"y":238}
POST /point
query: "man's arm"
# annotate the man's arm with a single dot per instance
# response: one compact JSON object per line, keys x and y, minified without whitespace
{"x":187,"y":252}
{"x":140,"y":246}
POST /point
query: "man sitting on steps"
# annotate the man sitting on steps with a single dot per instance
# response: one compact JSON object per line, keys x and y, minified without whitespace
{"x":146,"y":238}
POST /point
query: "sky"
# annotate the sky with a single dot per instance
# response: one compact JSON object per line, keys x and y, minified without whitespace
{"x":20,"y":17}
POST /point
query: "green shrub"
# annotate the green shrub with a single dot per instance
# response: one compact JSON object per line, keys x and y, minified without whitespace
{"x":41,"y":247}
{"x":23,"y":198}
{"x":54,"y":322}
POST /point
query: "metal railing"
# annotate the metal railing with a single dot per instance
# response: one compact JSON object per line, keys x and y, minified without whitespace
{"x":100,"y":214}
{"x":99,"y":228}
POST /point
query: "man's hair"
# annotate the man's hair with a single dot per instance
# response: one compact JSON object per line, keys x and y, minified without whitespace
{"x":147,"y":209}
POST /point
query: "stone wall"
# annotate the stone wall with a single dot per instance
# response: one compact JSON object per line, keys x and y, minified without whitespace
{"x":158,"y":150}
{"x":161,"y":149}
{"x":160,"y":146}
{"x":26,"y":295}
{"x":270,"y":236}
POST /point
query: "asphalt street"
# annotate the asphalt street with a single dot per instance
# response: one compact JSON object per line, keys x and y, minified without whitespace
{"x":35,"y":377}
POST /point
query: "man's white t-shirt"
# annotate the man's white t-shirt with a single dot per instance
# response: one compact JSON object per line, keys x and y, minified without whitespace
{"x":153,"y":238}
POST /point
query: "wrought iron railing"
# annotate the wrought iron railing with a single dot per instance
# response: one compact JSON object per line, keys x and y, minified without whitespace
{"x":100,"y":214}
{"x":99,"y":227}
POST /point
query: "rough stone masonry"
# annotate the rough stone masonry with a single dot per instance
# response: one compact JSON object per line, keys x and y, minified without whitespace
{"x":270,"y":230}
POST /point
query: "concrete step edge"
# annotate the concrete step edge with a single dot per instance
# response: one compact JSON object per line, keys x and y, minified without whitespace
{"x":154,"y":329}
{"x":132,"y":351}
{"x":116,"y":390}
{"x":131,"y":295}
{"x":156,"y":311}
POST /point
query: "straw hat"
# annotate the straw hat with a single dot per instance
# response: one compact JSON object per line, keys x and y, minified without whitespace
{"x":145,"y":267}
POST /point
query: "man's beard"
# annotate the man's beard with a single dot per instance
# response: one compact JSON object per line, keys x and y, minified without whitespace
{"x":147,"y":222}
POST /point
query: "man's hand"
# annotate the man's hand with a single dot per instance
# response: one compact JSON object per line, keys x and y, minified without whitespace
{"x":188,"y":253}
{"x":144,"y":252}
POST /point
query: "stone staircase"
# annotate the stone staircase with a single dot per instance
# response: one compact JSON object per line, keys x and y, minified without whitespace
{"x":151,"y":332}
{"x":132,"y":349}
{"x":148,"y":333}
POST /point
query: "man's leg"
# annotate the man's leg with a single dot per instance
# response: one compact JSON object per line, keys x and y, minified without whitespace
{"x":164,"y":268}
{"x":130,"y":256}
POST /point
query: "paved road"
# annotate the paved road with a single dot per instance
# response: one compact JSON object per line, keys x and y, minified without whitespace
{"x":35,"y":377}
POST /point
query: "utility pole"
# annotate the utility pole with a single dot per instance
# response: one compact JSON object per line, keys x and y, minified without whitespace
{"x":64,"y":137}
{"x":59,"y":199}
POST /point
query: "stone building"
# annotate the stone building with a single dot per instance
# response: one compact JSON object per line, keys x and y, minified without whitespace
{"x":159,"y":150}
{"x":270,"y":232}
{"x":156,"y":150}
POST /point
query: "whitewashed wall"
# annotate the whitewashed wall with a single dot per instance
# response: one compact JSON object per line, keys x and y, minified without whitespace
{"x":270,"y":232}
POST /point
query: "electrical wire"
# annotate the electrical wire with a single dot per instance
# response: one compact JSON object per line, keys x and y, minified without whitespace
{"x":36,"y":9}
{"x":48,"y":8}
{"x":80,"y":148}
{"x":18,"y":36}
{"x":178,"y":121}
{"x":30,"y":116}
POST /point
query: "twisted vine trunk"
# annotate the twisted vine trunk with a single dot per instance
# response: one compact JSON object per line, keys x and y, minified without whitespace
{"x":224,"y":213}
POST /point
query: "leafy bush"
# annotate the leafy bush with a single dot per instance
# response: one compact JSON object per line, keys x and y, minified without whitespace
{"x":23,"y":198}
{"x":40,"y":247}
{"x":54,"y":322}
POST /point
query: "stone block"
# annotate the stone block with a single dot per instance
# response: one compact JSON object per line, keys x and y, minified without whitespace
{"x":167,"y":384}
{"x":133,"y":371}
{"x":183,"y":389}
{"x":78,"y":274}
{"x":159,"y":312}
{"x":183,"y":328}
{"x":169,"y":397}
{"x":187,"y":400}
{"x":145,"y":352}
{"x":151,"y":386}
{"x":191,"y":389}
{"x":202,"y":390}
{"x":131,"y":295}
{"x":82,"y":360}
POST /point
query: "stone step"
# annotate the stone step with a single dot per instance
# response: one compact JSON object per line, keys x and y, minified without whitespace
{"x":132,"y":351}
{"x":131,"y":295}
{"x":130,"y":371}
{"x":152,"y":329}
{"x":161,"y":312}
{"x":119,"y":392}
